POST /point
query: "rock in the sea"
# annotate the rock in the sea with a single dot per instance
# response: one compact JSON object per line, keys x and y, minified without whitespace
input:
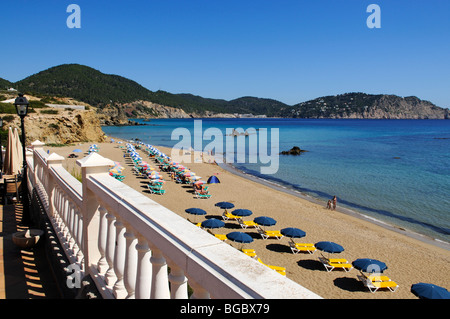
{"x":293,"y":151}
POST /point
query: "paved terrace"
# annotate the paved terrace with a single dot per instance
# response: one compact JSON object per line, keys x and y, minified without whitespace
{"x":24,"y":274}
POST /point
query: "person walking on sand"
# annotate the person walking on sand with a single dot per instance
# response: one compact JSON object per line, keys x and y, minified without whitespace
{"x":329,"y":204}
{"x":334,"y":202}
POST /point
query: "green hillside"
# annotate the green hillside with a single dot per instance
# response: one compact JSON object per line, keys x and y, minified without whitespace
{"x":83,"y":83}
{"x":4,"y":84}
{"x":88,"y":85}
{"x":96,"y":88}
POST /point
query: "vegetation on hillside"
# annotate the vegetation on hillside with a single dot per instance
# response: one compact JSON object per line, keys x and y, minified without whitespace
{"x":91,"y":86}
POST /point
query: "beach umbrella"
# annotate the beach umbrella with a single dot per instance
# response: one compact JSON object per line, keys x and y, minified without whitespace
{"x":77,"y":150}
{"x":242,"y":212}
{"x":369,"y":265}
{"x":329,"y":247}
{"x":226,"y":205}
{"x":293,"y":232}
{"x":213,"y":180}
{"x":18,"y":147}
{"x":11,"y":164}
{"x":265,"y":221}
{"x":429,"y":291}
{"x":240,"y":237}
{"x":212,"y":223}
{"x":195,"y":211}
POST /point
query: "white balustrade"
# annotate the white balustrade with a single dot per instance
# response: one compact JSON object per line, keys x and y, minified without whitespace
{"x":127,"y":243}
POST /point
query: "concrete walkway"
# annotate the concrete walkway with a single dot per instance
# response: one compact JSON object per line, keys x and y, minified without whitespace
{"x":24,"y":274}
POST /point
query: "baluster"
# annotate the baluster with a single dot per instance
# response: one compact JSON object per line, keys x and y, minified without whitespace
{"x":119,"y":260}
{"x":69,"y":237}
{"x":110,"y":276}
{"x":102,"y":264}
{"x":130,"y":271}
{"x":160,"y":280}
{"x":75,"y":218}
{"x":199,"y":291}
{"x":178,"y":283}
{"x":79,"y":240}
{"x":65,"y":228}
{"x":144,"y":269}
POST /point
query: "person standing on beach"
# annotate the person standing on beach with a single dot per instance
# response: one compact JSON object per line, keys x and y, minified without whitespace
{"x":334,"y":202}
{"x":329,"y":204}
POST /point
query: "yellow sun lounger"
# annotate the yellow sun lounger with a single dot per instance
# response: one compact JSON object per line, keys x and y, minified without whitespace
{"x":375,"y":282}
{"x":278,"y":269}
{"x":221,"y":237}
{"x":245,"y":224}
{"x":329,"y":266}
{"x":302,"y":247}
{"x":270,"y":234}
{"x":249,"y":252}
{"x":228,"y":216}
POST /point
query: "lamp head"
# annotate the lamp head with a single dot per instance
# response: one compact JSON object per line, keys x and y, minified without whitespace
{"x":21,"y":104}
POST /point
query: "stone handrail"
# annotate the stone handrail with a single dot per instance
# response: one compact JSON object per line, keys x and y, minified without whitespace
{"x":133,"y":247}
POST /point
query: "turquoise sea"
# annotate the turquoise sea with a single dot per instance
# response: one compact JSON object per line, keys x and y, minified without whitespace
{"x":394,"y":171}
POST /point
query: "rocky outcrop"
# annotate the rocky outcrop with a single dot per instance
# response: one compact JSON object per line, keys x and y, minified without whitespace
{"x":63,"y":128}
{"x":294,"y":151}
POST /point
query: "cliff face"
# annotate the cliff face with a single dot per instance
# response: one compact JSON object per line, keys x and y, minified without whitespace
{"x":64,"y":128}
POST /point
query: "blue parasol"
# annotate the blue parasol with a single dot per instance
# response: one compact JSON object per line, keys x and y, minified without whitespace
{"x":329,"y":247}
{"x":265,"y":221}
{"x":369,"y":265}
{"x":293,"y":232}
{"x":240,"y":237}
{"x":224,"y":205}
{"x":429,"y":291}
{"x":212,"y":223}
{"x":242,"y":212}
{"x":77,"y":150}
{"x":195,"y":211}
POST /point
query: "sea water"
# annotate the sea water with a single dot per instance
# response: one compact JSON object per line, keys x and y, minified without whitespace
{"x":394,"y":171}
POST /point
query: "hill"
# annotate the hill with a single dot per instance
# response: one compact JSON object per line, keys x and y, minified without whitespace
{"x":4,"y":84}
{"x":128,"y":98}
{"x":361,"y":105}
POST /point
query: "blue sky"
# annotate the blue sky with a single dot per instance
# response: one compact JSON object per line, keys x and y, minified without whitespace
{"x":289,"y":50}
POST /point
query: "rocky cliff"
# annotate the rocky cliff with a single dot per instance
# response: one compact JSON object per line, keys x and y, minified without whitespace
{"x":68,"y":126}
{"x":54,"y":125}
{"x":367,"y":106}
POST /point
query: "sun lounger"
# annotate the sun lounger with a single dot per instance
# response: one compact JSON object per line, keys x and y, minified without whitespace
{"x":200,"y":195}
{"x":278,"y":269}
{"x":155,"y":190}
{"x":249,"y":252}
{"x":375,"y":282}
{"x":221,"y":237}
{"x":302,"y":247}
{"x":329,"y":266}
{"x":270,"y":234}
{"x":245,"y":224}
{"x":228,"y":216}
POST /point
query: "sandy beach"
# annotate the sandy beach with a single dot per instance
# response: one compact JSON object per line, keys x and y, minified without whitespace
{"x":409,"y":259}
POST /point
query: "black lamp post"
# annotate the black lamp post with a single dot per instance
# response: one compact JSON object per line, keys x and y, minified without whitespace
{"x":21,"y":104}
{"x":1,"y":153}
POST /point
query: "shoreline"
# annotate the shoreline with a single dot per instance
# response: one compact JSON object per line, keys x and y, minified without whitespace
{"x":398,"y":229}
